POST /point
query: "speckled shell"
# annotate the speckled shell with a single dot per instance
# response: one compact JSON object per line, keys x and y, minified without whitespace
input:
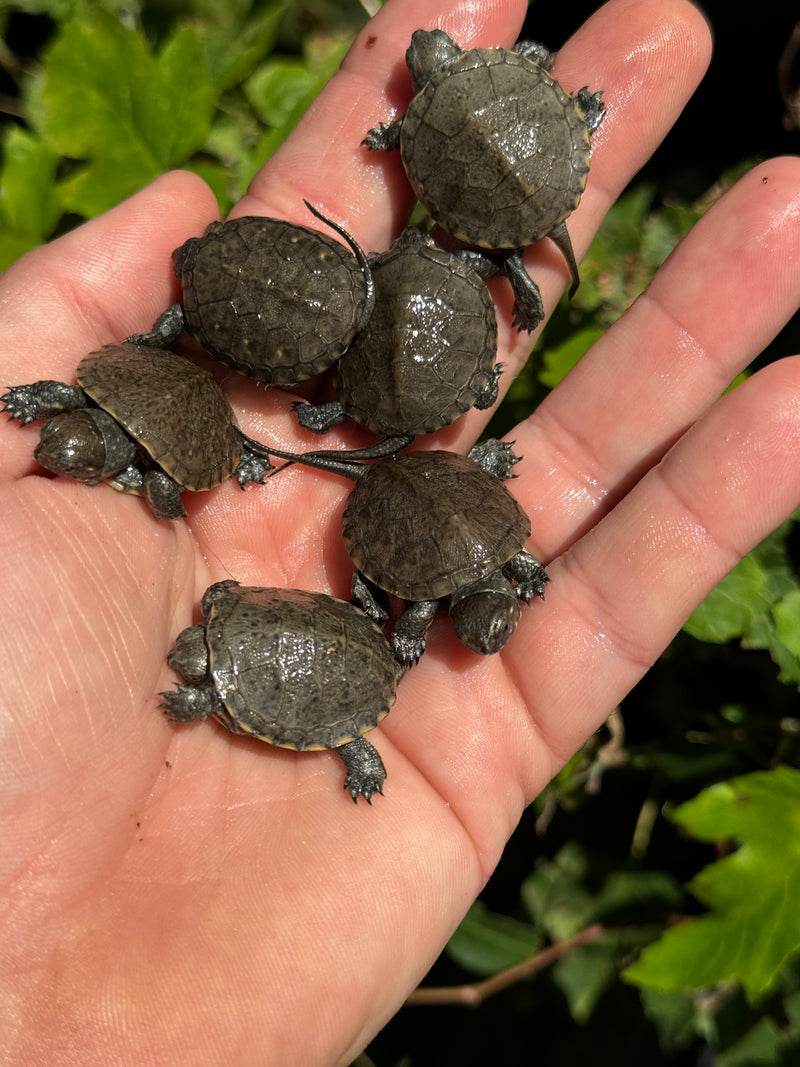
{"x":429,"y":348}
{"x":422,"y":524}
{"x":277,"y":301}
{"x":297,"y":669}
{"x":496,"y":150}
{"x":172,"y":408}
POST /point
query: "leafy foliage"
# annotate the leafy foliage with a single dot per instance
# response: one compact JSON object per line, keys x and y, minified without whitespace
{"x":754,"y":925}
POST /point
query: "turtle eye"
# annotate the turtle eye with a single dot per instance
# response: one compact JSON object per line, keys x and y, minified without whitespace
{"x":484,"y":621}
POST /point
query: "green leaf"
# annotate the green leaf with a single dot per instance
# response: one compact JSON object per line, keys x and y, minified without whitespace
{"x":102,"y":98}
{"x":233,"y":43}
{"x":29,"y":205}
{"x":584,"y":975}
{"x":759,"y":602}
{"x":278,"y":88}
{"x":787,"y":621}
{"x":559,"y":360}
{"x":754,"y":925}
{"x":486,"y":942}
{"x":735,"y":604}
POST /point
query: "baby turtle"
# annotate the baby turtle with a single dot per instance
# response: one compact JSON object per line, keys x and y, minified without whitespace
{"x":495,"y":149}
{"x":423,"y":526}
{"x":274,"y":300}
{"x":295,"y":669}
{"x":427,"y":354}
{"x":144,"y":419}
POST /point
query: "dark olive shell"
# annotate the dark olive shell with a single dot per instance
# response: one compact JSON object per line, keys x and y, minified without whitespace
{"x":172,"y":408}
{"x":423,"y":524}
{"x":297,"y":669}
{"x":429,"y":349}
{"x":277,"y":301}
{"x":496,"y":150}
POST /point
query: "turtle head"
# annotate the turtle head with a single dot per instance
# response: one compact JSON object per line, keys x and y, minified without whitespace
{"x":188,"y":657}
{"x":485,"y":614}
{"x":87,"y":445}
{"x":429,"y":51}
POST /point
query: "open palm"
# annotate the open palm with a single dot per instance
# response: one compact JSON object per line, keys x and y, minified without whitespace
{"x":178,"y":895}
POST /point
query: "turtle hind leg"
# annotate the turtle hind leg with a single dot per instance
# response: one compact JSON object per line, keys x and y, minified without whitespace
{"x":365,"y":770}
{"x":488,"y":395}
{"x":528,"y":306}
{"x":251,"y":468}
{"x":165,"y":329}
{"x":319,"y":418}
{"x":163,"y":495}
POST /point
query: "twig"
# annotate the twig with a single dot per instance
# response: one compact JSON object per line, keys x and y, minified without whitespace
{"x":474,"y":993}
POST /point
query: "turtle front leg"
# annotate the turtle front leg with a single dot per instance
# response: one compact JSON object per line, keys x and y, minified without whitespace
{"x":529,"y":574}
{"x":190,"y":703}
{"x":408,"y":636}
{"x":165,"y":329}
{"x":365,"y":770}
{"x":42,"y":400}
{"x":386,"y":137}
{"x":536,"y":52}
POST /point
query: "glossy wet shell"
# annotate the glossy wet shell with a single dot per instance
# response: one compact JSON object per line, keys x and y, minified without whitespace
{"x":429,"y":348}
{"x":277,"y":301}
{"x":423,"y":524}
{"x":496,"y":150}
{"x":297,"y":669}
{"x":171,"y":407}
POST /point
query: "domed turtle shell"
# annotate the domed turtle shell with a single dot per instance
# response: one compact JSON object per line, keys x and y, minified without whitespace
{"x":172,"y":408}
{"x":428,"y":352}
{"x":422,"y":524}
{"x":495,"y":148}
{"x":276,"y":301}
{"x":297,"y":669}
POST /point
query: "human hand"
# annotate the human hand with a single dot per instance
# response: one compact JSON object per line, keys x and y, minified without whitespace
{"x":175,"y":894}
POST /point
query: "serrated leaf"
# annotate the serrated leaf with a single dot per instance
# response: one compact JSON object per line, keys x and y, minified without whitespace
{"x":486,"y":943}
{"x":754,"y":925}
{"x":104,"y":99}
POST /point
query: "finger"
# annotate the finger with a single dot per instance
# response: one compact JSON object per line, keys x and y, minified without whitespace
{"x":727,"y":289}
{"x":620,"y":594}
